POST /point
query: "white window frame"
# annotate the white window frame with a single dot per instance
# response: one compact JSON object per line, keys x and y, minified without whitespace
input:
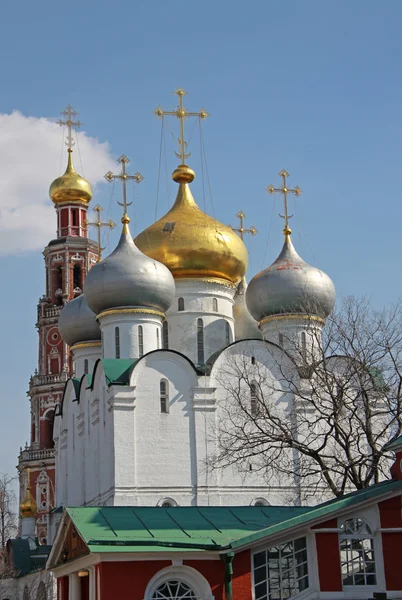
{"x":187,"y":575}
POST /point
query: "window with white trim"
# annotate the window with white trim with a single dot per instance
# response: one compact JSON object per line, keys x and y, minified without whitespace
{"x":180,"y":304}
{"x":140,"y":341}
{"x":174,"y":589}
{"x":165,"y":335}
{"x":356,"y":543}
{"x":164,"y":396}
{"x":253,"y":399}
{"x":214,"y":304}
{"x":281,"y":571}
{"x":117,"y":341}
{"x":200,"y":341}
{"x":227,"y":333}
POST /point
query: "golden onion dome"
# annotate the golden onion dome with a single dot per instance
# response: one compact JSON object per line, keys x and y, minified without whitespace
{"x":70,"y":187}
{"x":28,"y":505}
{"x":191,"y":243}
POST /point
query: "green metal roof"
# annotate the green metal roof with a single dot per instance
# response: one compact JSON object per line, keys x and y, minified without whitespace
{"x":395,"y":444}
{"x":139,"y":529}
{"x":118,"y":370}
{"x":126,"y":528}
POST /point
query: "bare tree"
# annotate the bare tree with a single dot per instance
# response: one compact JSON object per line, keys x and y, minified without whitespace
{"x":326,"y":416}
{"x":8,"y":519}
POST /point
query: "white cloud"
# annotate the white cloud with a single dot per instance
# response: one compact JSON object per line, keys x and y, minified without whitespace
{"x":32,"y":155}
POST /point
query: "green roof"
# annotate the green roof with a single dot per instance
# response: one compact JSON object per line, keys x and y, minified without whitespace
{"x":397,"y":443}
{"x":126,"y":528}
{"x":139,"y":529}
{"x":118,"y":370}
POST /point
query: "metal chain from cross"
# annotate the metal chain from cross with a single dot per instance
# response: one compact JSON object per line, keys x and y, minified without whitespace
{"x":241,"y":229}
{"x":181,"y":113}
{"x":124,"y":176}
{"x":69,"y":113}
{"x":99,"y":224}
{"x":284,"y":190}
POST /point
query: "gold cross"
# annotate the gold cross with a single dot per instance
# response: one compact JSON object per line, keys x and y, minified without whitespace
{"x":284,"y":190}
{"x":124,"y":176}
{"x":181,"y":113}
{"x":69,"y":113}
{"x":99,"y":224}
{"x":241,"y":230}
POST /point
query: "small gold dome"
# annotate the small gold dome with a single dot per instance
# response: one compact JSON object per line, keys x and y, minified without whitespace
{"x":192,"y":244}
{"x":70,"y":187}
{"x":28,"y":505}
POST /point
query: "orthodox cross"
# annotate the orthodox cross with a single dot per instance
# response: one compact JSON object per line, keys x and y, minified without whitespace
{"x":124,"y":176}
{"x":99,"y":224}
{"x":284,"y":190}
{"x":241,"y":230}
{"x":69,"y":113}
{"x":181,"y":113}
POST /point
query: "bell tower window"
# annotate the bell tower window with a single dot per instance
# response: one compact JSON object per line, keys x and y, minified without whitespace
{"x":77,"y":277}
{"x":74,"y":217}
{"x":180,"y":304}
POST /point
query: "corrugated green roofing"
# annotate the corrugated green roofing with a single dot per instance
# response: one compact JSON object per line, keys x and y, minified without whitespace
{"x":139,"y":529}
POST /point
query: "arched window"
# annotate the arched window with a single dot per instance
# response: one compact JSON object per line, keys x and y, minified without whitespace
{"x":25,"y":595}
{"x":164,"y":396}
{"x":227,"y":333}
{"x":180,"y":304}
{"x":174,"y":589}
{"x":157,"y":339}
{"x":165,"y":335}
{"x":86,"y":366}
{"x":303,"y":345}
{"x":253,"y":399}
{"x":260,"y":502}
{"x":41,"y":594}
{"x":200,"y":341}
{"x":140,"y":341}
{"x":117,"y":341}
{"x":167,"y":503}
{"x":280,"y":339}
{"x":357,"y":553}
{"x":77,"y":276}
{"x":214,"y":304}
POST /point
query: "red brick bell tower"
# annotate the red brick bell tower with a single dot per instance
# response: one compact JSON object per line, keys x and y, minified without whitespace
{"x":67,"y":261}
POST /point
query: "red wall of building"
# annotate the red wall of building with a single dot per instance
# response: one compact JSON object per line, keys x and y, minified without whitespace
{"x":127,"y":580}
{"x":391,"y":517}
{"x":329,"y":564}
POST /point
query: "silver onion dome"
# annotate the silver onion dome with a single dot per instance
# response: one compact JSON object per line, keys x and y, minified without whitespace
{"x":246,"y":328}
{"x":128,"y":278}
{"x":290,"y":285}
{"x":77,"y":323}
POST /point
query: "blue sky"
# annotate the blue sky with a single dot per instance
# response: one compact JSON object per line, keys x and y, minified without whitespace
{"x":313,"y":87}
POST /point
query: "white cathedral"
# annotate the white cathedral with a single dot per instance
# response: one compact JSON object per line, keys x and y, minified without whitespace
{"x":159,"y":321}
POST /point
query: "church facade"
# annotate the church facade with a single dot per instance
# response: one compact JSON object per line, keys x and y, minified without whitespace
{"x":151,"y":343}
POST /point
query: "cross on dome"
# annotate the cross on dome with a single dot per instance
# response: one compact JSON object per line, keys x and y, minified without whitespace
{"x":98,"y":223}
{"x":181,"y":113}
{"x":284,"y":190}
{"x":124,"y":176}
{"x":69,"y":113}
{"x":241,"y":229}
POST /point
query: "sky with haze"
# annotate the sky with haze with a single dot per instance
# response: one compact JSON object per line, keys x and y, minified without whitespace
{"x":312,"y":86}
